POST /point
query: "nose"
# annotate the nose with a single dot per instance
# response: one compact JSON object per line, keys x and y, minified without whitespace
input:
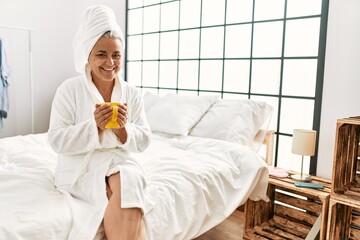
{"x":110,"y":60}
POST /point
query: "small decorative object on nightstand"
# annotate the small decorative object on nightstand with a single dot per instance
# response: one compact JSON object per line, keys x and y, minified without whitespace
{"x":303,"y":143}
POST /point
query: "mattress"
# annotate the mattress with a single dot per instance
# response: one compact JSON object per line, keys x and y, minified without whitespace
{"x":192,"y":184}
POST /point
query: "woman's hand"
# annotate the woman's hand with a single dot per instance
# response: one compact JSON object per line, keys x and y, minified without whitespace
{"x":102,"y":114}
{"x":122,"y":115}
{"x":121,"y":133}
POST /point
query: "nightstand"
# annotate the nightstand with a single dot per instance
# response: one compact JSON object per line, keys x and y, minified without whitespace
{"x":291,"y":213}
{"x":344,"y":206}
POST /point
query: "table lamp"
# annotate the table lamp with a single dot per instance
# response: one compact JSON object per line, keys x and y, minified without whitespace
{"x":303,"y":143}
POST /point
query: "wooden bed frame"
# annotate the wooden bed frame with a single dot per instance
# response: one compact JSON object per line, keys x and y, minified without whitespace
{"x":269,"y":146}
{"x":269,"y":142}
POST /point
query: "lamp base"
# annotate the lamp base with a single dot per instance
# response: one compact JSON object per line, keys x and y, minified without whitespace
{"x":302,"y":178}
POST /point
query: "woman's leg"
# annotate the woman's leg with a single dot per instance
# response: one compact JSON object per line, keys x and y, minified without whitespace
{"x":121,"y":223}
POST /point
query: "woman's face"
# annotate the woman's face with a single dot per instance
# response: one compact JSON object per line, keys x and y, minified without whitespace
{"x":105,"y":59}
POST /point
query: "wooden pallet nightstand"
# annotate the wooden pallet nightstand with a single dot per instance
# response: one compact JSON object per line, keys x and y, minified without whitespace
{"x":291,"y":212}
{"x":344,"y":206}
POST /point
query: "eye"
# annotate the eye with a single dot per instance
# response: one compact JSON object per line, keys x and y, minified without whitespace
{"x":101,"y":55}
{"x":116,"y":55}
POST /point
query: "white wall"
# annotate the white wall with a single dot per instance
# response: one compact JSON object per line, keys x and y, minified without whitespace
{"x":341,"y":93}
{"x":56,"y":23}
{"x":16,"y":45}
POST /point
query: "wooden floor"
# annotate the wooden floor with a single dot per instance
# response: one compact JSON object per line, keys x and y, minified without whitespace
{"x":230,"y":229}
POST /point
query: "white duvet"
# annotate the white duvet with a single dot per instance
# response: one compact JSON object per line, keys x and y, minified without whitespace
{"x":192,"y":185}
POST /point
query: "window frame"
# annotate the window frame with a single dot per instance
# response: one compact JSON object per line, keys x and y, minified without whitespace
{"x":317,"y":98}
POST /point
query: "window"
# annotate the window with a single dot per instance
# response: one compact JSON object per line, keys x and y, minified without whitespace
{"x":270,"y":50}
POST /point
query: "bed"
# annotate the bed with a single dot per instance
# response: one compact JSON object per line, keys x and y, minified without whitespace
{"x":196,"y":175}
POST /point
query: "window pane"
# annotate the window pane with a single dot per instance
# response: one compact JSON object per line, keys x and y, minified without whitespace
{"x":187,"y":93}
{"x":151,"y":90}
{"x":133,"y":73}
{"x":149,"y":2}
{"x":265,"y":76}
{"x":135,"y":3}
{"x":212,"y":42}
{"x":151,"y":18}
{"x":238,"y":41}
{"x":169,"y":45}
{"x":299,"y":77}
{"x":135,"y":21}
{"x":297,"y":8}
{"x":213,"y":12}
{"x":236,"y":75}
{"x":302,"y":37}
{"x":151,"y":46}
{"x":168,"y":73}
{"x":134,"y":45}
{"x":239,"y":11}
{"x":190,"y":13}
{"x":234,"y":96}
{"x":188,"y":74}
{"x":265,"y":9}
{"x":189,"y":44}
{"x":170,"y":16}
{"x":163,"y":92}
{"x":288,"y":160}
{"x":296,"y":113}
{"x":207,"y":93}
{"x":268,"y":39}
{"x":150,"y":74}
{"x":210,"y":75}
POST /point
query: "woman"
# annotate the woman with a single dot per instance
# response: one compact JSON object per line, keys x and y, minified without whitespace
{"x":103,"y":184}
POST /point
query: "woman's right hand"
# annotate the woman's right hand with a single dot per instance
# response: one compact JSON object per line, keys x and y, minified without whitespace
{"x":102,"y":114}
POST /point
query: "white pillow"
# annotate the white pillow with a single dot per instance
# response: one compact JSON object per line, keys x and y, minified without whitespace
{"x":235,"y":121}
{"x":176,"y":114}
{"x":149,"y":100}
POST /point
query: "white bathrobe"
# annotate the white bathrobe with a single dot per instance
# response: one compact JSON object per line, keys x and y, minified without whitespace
{"x":85,"y":158}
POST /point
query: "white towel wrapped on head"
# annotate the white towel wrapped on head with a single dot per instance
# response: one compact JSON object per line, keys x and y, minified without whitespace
{"x":95,"y":21}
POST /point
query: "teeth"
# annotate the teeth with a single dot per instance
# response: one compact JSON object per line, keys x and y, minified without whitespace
{"x":108,"y":69}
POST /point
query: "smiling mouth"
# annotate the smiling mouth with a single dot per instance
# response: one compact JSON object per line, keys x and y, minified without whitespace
{"x":108,"y":69}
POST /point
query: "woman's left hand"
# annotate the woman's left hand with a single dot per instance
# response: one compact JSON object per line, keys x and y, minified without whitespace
{"x":122,"y":115}
{"x":120,"y":132}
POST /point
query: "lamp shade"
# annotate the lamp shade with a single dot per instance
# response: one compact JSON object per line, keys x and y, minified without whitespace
{"x":303,"y":142}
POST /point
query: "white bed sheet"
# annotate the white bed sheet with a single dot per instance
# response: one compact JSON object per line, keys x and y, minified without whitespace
{"x":30,"y":205}
{"x":192,"y":185}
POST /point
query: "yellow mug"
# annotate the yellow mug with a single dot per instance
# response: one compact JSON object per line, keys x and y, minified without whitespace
{"x":113,"y":123}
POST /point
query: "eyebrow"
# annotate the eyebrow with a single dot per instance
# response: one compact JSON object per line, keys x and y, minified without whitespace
{"x":102,"y":51}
